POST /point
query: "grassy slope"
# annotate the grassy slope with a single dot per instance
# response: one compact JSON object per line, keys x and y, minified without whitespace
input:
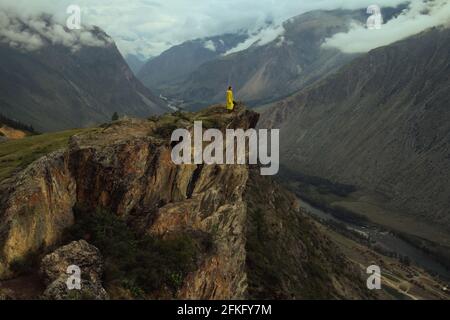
{"x":17,"y":154}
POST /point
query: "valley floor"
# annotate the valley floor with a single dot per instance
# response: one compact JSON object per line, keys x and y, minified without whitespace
{"x":401,"y":278}
{"x":373,"y":209}
{"x":399,"y":281}
{"x":369,"y":206}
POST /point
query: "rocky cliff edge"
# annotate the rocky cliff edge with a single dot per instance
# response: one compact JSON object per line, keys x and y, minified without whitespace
{"x":263,"y":245}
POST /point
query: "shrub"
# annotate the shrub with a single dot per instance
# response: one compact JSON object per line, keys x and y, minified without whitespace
{"x":140,"y":263}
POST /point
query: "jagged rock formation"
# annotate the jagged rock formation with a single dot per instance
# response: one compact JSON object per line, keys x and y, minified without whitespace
{"x":36,"y":208}
{"x":381,"y":123}
{"x":263,"y":245}
{"x":83,"y":255}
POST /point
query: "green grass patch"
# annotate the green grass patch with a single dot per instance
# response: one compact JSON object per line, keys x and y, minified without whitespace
{"x":211,"y":118}
{"x":17,"y":154}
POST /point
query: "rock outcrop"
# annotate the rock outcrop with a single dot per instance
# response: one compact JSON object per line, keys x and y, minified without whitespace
{"x":35,"y":208}
{"x":87,"y":258}
{"x":125,"y":169}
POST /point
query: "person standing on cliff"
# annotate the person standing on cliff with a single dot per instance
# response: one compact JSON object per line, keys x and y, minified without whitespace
{"x":230,"y":99}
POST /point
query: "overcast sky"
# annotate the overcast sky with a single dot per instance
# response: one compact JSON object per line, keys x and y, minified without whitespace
{"x":150,"y":26}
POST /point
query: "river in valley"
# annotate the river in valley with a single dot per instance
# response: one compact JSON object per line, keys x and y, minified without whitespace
{"x":385,"y":240}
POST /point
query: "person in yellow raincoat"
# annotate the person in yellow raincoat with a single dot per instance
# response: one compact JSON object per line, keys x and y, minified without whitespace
{"x":230,"y":99}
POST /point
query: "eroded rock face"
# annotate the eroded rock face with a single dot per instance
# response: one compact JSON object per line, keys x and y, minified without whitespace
{"x":129,"y":171}
{"x":125,"y":168}
{"x":216,"y":207}
{"x":84,"y":256}
{"x":35,"y":208}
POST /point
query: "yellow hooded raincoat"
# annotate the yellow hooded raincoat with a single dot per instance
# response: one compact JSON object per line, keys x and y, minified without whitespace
{"x":230,"y":103}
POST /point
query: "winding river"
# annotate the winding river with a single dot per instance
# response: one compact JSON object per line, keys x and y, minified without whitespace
{"x":386,"y":240}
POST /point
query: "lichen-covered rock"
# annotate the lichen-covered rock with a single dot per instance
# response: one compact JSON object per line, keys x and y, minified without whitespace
{"x":35,"y":208}
{"x":90,"y":290}
{"x":87,"y":258}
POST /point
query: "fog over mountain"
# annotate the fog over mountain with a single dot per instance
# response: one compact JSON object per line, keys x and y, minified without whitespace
{"x":418,"y":17}
{"x":149,"y":28}
{"x":264,"y":67}
{"x":55,"y":79}
{"x":34,"y":32}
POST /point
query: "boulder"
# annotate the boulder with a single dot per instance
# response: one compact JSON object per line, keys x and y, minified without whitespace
{"x":54,"y":269}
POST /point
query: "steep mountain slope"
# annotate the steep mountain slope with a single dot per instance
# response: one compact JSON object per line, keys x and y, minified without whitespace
{"x":174,"y":64}
{"x":382,"y":124}
{"x":135,"y":63}
{"x":55,"y":87}
{"x":239,"y":240}
{"x":274,"y":70}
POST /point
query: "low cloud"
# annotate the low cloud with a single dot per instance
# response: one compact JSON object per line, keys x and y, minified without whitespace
{"x":420,"y":16}
{"x":148,"y":27}
{"x":259,"y":38}
{"x":32,"y":32}
{"x":210,"y":45}
{"x":12,"y":33}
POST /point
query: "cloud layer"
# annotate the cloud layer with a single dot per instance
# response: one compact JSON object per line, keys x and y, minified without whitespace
{"x":35,"y":31}
{"x":421,"y":15}
{"x":147,"y":27}
{"x":259,"y":38}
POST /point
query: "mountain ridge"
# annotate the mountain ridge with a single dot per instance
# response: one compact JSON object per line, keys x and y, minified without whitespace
{"x":178,"y":61}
